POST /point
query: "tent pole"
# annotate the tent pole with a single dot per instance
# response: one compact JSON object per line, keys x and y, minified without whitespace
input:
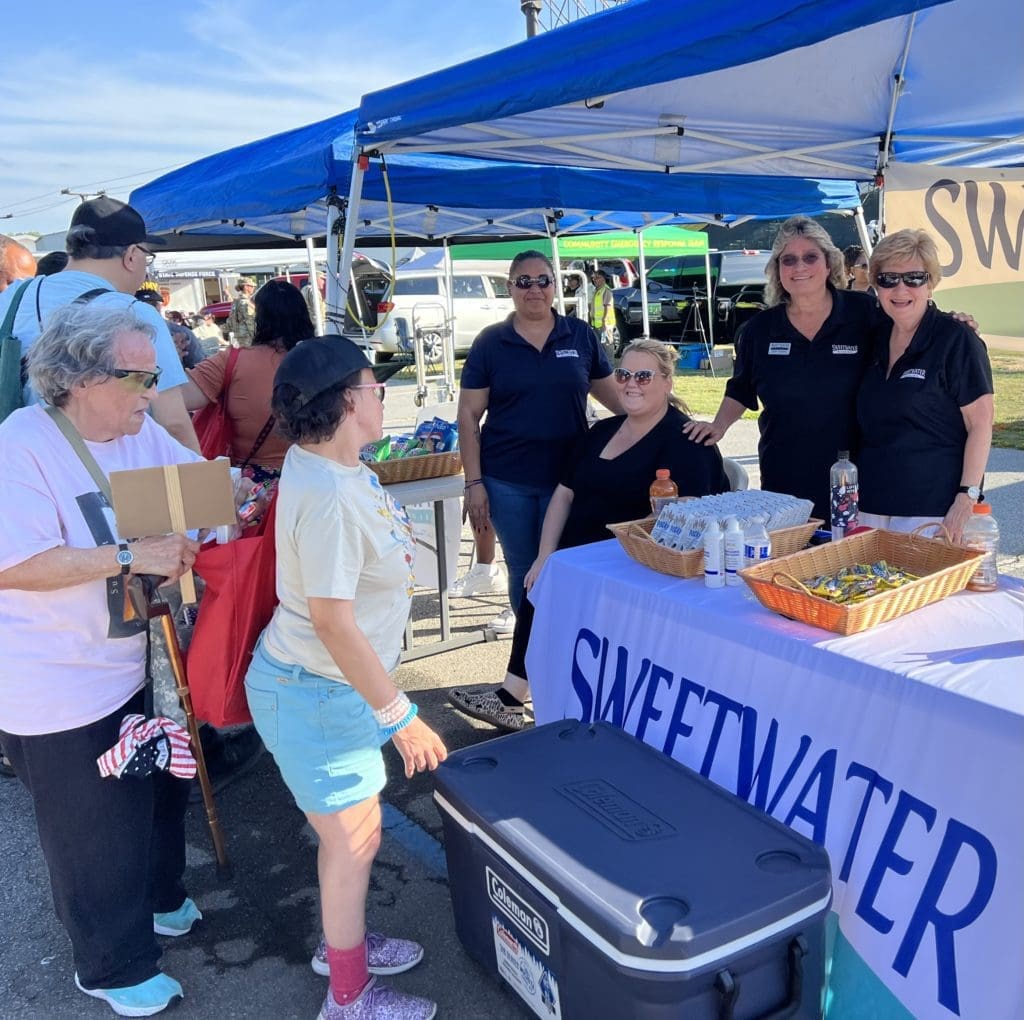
{"x":348,"y":244}
{"x":318,"y":317}
{"x":448,"y":335}
{"x":862,"y":230}
{"x":556,"y":263}
{"x":645,"y":311}
{"x":711,"y":300}
{"x":335,"y":306}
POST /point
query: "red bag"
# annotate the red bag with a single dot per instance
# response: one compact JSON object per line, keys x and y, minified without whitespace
{"x":212,"y":424}
{"x":239,"y":601}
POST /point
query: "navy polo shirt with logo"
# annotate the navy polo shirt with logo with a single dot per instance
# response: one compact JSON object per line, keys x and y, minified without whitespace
{"x":537,"y":405}
{"x":912,"y":430}
{"x":807,"y":389}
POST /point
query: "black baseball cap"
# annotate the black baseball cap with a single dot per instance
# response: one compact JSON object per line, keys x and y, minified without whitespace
{"x":113,"y":223}
{"x":315,"y":365}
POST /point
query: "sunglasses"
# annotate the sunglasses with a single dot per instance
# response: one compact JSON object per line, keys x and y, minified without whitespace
{"x":526,"y":282}
{"x":915,"y":278}
{"x":809,"y":258}
{"x":135,"y":379}
{"x":642,"y":376}
{"x":860,"y":265}
{"x":378,"y":386}
{"x":150,"y":255}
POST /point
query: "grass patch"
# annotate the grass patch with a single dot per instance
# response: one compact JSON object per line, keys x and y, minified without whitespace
{"x":1008,"y":377}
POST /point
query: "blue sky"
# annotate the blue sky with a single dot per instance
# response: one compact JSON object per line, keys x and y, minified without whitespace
{"x":112,"y":94}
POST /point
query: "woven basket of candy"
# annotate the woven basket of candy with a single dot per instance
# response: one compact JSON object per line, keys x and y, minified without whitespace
{"x":414,"y":469}
{"x":635,"y":538}
{"x":859,"y":582}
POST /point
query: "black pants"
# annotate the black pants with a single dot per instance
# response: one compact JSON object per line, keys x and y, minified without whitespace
{"x":521,"y":638}
{"x":115,"y":848}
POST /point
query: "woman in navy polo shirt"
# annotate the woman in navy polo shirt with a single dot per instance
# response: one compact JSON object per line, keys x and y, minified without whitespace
{"x":925,"y":407}
{"x":802,"y":359}
{"x":531,"y":374}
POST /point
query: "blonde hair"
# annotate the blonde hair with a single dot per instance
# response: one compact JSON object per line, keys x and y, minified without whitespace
{"x":802,"y":226}
{"x":906,"y":246}
{"x":666,"y":358}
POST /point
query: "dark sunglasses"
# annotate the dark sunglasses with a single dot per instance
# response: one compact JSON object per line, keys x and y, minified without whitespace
{"x":915,"y":278}
{"x":136,"y":379}
{"x":808,"y":259}
{"x":378,"y":386}
{"x":642,"y":376}
{"x":526,"y":282}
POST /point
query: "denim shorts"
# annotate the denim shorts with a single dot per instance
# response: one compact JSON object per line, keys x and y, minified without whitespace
{"x":321,"y":732}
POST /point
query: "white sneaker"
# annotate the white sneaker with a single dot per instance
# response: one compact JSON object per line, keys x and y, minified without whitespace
{"x":504,"y":624}
{"x":483,"y":579}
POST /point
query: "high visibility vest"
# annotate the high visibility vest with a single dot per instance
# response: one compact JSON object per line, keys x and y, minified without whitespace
{"x":599,"y":309}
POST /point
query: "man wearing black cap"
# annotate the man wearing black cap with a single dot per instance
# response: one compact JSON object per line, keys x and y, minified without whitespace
{"x":108,"y":254}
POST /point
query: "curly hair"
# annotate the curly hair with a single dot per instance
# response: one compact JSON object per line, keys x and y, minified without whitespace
{"x":77,"y":346}
{"x":666,"y":358}
{"x":316,"y":420}
{"x":802,"y":226}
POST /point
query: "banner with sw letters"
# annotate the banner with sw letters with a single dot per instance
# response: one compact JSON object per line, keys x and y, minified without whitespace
{"x":901,"y":750}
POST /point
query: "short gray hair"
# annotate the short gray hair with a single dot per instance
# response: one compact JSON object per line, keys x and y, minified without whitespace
{"x":802,"y":226}
{"x":77,"y":346}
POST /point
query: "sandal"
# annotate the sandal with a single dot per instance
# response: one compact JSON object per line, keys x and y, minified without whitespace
{"x":486,"y":706}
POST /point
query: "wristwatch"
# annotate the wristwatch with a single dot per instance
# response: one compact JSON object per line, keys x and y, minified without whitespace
{"x":971,"y":490}
{"x":125,"y":557}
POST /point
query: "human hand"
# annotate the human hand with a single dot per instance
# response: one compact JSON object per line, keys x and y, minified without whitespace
{"x":167,"y":556}
{"x":477,"y":508}
{"x":967,"y":319}
{"x":421,"y":748}
{"x":706,"y":432}
{"x":534,"y":572}
{"x":957,"y":517}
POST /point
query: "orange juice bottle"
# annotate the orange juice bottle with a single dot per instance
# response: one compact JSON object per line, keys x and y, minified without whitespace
{"x":663,"y":490}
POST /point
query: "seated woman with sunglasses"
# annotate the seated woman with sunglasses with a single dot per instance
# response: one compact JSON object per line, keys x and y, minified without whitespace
{"x":925,"y":406}
{"x":74,"y":667}
{"x":344,"y":577}
{"x":531,"y":374}
{"x":802,"y":359}
{"x":606,"y":479}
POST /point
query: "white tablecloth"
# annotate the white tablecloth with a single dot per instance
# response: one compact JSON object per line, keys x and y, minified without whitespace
{"x":900,"y":749}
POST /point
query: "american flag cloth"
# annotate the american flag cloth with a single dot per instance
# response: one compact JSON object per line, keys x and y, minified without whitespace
{"x":146,"y":745}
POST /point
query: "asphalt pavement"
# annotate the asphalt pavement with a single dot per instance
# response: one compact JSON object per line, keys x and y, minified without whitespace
{"x":250,"y":954}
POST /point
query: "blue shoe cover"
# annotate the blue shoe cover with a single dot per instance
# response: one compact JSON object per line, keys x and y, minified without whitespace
{"x":143,"y":999}
{"x":177,"y":922}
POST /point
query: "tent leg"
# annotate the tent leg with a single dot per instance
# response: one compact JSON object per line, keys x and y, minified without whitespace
{"x":348,"y":243}
{"x":318,"y":319}
{"x":645,"y":307}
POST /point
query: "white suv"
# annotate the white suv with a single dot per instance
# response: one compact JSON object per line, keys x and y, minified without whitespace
{"x":419,"y":301}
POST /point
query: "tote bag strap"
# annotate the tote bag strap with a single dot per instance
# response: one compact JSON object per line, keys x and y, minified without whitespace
{"x":73,"y":436}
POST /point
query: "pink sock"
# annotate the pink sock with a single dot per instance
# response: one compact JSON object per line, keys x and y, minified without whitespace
{"x":349,"y":975}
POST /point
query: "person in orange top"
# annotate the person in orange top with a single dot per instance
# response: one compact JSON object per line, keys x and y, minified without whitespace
{"x":282,"y":320}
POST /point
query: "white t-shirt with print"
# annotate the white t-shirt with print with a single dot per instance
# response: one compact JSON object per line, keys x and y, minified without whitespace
{"x":68,"y":656}
{"x":339,"y":536}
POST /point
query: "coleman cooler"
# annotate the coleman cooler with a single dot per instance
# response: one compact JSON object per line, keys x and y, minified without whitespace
{"x":604,"y":881}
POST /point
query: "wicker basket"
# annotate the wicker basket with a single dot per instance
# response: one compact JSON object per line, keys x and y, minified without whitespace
{"x":414,"y":469}
{"x":635,"y":537}
{"x":942,"y":568}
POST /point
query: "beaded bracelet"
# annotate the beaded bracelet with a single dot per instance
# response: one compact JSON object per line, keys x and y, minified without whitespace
{"x":476,"y":481}
{"x":390,"y":731}
{"x":393,"y":711}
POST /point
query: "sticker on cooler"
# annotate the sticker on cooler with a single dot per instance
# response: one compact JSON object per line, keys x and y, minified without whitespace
{"x":527,"y":974}
{"x":514,"y":907}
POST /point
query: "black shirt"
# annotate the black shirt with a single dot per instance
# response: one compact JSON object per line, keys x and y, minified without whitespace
{"x":537,"y":405}
{"x":912,"y":430}
{"x":807,"y":390}
{"x":611,"y":491}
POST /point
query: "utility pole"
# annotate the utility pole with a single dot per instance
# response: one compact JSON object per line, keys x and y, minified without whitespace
{"x":531,"y":11}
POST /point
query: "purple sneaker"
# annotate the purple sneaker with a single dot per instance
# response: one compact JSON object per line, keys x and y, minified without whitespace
{"x":383,"y":955}
{"x":378,"y":1002}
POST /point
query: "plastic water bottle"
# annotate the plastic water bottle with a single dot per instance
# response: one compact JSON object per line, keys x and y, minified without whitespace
{"x":757,"y":546}
{"x":663,"y":490}
{"x":733,"y":552}
{"x":714,"y":555}
{"x":844,"y":499}
{"x":982,"y":533}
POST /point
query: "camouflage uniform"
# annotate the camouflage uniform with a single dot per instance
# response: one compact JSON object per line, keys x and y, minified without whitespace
{"x":242,"y":320}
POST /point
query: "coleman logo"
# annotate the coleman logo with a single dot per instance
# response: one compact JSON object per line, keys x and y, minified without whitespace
{"x":569,"y":352}
{"x":913,"y":373}
{"x":778,"y":348}
{"x":844,"y":349}
{"x":520,"y":913}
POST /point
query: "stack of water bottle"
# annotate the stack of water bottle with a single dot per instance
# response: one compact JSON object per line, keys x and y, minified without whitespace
{"x":731,"y":527}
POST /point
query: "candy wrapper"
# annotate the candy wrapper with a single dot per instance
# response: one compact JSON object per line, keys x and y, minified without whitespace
{"x":858,"y":582}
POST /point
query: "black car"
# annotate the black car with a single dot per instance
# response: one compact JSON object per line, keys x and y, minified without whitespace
{"x":677,"y":295}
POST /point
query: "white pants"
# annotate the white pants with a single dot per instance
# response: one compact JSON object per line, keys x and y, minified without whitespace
{"x":898,"y":523}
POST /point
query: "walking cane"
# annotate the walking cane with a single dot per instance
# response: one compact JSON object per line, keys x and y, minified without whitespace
{"x":163,"y":610}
